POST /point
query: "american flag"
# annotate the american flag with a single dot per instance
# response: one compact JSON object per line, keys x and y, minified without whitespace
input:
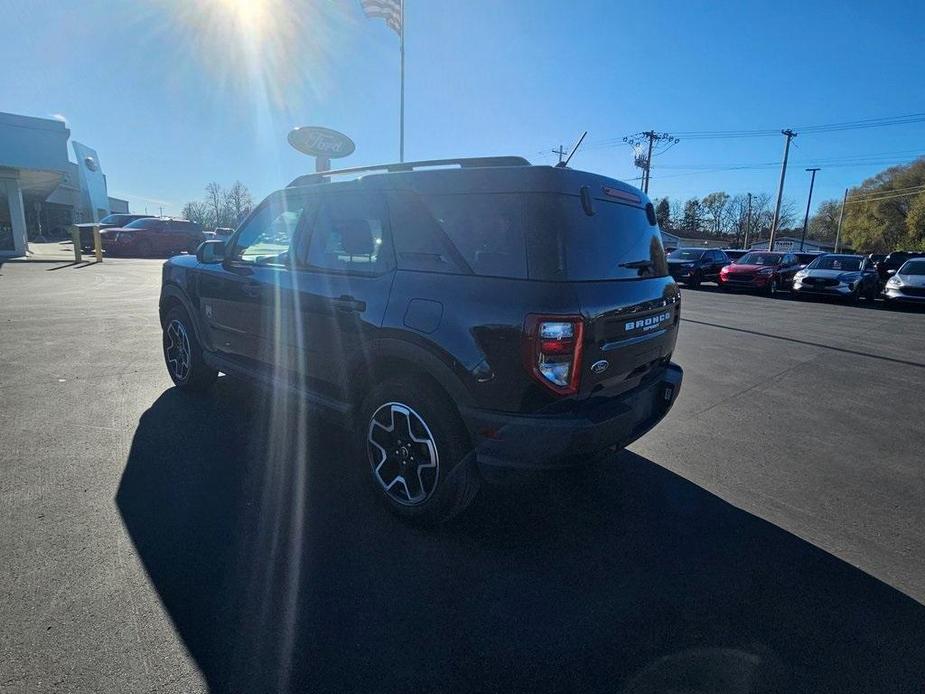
{"x":389,"y":10}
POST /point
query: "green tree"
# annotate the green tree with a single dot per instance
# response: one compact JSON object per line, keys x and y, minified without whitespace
{"x":663,"y":214}
{"x":883,"y":213}
{"x":713,"y":205}
{"x":824,"y":222}
{"x":693,"y":217}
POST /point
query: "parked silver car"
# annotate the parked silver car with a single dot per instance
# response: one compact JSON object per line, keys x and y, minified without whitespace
{"x":844,"y":276}
{"x":908,"y":284}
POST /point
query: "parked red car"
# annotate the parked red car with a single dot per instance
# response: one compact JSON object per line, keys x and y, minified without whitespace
{"x":760,"y":271}
{"x":154,"y":236}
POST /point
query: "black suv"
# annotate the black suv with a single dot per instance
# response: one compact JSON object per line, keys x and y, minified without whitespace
{"x":461,"y":320}
{"x":888,"y":267}
{"x":695,"y":265}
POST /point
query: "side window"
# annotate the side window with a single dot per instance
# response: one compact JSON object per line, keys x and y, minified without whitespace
{"x":266,"y":237}
{"x":349,"y":234}
{"x":420,"y":242}
{"x":461,"y":233}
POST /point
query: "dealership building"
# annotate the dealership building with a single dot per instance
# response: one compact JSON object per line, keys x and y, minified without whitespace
{"x":43,"y":191}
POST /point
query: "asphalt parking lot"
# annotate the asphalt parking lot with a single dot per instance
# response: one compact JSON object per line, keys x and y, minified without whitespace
{"x":770,"y":530}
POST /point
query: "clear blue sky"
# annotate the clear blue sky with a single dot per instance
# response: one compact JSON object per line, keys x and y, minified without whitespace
{"x":175,"y":94}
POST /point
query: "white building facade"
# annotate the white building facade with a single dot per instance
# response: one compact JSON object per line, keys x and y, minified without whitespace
{"x":43,"y":192}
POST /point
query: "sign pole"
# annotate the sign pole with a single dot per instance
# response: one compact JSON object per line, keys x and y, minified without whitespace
{"x":401,"y":138}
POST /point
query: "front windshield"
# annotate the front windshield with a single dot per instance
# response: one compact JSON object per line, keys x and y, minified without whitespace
{"x":685,"y":254}
{"x":760,"y":259}
{"x":845,"y":263}
{"x":147,"y":223}
{"x":913,"y":267}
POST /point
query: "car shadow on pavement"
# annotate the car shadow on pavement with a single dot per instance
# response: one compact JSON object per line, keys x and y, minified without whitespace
{"x":281,"y":572}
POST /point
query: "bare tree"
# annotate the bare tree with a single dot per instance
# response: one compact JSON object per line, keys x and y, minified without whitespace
{"x":196,"y":211}
{"x":237,"y":202}
{"x":714,"y":204}
{"x":215,"y":202}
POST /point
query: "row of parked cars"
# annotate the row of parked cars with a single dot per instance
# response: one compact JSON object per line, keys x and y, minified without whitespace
{"x":144,"y":235}
{"x":897,"y":277}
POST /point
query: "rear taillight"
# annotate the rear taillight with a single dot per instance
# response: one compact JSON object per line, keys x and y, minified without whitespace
{"x":552,"y":351}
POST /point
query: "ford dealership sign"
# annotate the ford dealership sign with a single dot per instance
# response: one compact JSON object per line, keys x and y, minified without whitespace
{"x":321,"y":142}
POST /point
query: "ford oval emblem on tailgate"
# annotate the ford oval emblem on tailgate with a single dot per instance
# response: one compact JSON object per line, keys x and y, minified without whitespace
{"x":600,"y":367}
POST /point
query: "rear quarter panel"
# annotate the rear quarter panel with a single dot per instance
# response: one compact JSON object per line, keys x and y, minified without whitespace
{"x":479,"y":335}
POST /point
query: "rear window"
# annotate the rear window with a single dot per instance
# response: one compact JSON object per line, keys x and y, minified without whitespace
{"x":846,"y":263}
{"x":537,"y":236}
{"x":761,"y":259}
{"x":685,"y":254}
{"x":146,"y":223}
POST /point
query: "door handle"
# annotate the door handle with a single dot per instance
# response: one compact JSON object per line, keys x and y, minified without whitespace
{"x":251,"y":289}
{"x":349,"y":304}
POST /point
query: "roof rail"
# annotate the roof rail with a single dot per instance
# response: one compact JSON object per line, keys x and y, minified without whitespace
{"x":464,"y":163}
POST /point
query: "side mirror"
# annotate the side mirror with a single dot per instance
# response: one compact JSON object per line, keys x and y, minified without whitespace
{"x":891,"y":272}
{"x":211,"y":252}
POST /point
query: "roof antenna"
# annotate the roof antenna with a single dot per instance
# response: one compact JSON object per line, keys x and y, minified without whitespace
{"x":563,"y":164}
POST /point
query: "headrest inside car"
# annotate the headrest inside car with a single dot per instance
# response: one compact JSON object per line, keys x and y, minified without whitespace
{"x":356,"y":237}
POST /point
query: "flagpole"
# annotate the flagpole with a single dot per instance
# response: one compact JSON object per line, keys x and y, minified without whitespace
{"x":401,"y":140}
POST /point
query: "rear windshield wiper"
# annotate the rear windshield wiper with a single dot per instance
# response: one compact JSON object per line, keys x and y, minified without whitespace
{"x":638,"y":264}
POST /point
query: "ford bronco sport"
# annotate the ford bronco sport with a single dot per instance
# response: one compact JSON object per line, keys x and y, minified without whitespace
{"x":460,"y":320}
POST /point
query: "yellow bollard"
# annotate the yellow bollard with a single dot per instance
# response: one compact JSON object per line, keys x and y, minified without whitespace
{"x":97,"y":244}
{"x":75,"y":236}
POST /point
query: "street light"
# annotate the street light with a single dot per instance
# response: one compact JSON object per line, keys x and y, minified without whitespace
{"x":809,"y":201}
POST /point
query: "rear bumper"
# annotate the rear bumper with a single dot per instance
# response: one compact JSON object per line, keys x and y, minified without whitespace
{"x":599,"y":425}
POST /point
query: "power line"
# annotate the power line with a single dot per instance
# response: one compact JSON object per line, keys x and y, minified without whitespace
{"x":887,"y":197}
{"x":906,"y":119}
{"x":889,"y":190}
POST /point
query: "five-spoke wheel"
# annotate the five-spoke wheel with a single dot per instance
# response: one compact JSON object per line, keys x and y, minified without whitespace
{"x":402,"y":453}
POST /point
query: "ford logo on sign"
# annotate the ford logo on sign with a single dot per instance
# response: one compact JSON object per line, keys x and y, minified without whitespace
{"x":600,"y":367}
{"x":321,"y":142}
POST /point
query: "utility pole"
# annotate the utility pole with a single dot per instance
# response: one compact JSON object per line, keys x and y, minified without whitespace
{"x":646,"y":166}
{"x":780,"y":188}
{"x":748,"y":221}
{"x":561,"y":152}
{"x":808,"y":202}
{"x":841,"y":216}
{"x":652,"y":136}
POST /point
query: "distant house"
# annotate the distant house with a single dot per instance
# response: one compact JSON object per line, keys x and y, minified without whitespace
{"x":670,"y":241}
{"x":703,"y":243}
{"x":792,"y":243}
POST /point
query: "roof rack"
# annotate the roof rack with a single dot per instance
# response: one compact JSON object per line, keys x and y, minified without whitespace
{"x":463,"y":163}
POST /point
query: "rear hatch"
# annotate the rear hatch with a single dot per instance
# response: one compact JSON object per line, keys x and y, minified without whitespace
{"x":615,"y":262}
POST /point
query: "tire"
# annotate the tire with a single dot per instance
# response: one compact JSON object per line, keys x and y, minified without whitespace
{"x":772,"y":287}
{"x":143,"y":248}
{"x":694,"y":281}
{"x":425,"y":424}
{"x":189,"y":372}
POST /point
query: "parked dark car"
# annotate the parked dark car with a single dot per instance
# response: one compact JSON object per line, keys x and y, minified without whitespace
{"x":734,"y":253}
{"x":839,"y":275}
{"x":461,"y":321}
{"x":893,"y":261}
{"x":155,"y":236}
{"x":875,"y":258}
{"x":110,"y":221}
{"x":760,"y":271}
{"x":695,"y":265}
{"x":907,"y":285}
